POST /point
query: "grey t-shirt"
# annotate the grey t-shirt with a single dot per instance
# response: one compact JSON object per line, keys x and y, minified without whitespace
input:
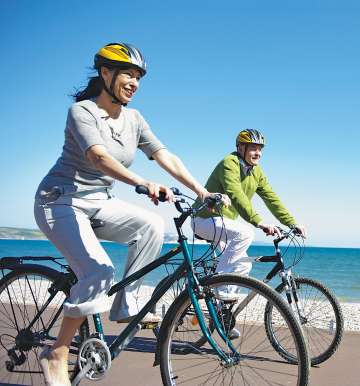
{"x":88,"y":125}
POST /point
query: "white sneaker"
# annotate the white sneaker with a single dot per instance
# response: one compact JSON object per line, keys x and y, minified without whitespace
{"x":226,"y":293}
{"x":234,"y":334}
{"x":151,"y":318}
{"x":148,"y":318}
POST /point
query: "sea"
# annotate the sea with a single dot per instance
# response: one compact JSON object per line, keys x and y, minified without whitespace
{"x":336,"y":268}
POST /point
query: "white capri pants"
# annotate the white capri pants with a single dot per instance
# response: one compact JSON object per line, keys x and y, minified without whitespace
{"x":66,"y":223}
{"x":233,"y":238}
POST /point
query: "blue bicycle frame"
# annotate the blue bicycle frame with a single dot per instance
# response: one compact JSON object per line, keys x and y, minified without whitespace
{"x":194,"y":289}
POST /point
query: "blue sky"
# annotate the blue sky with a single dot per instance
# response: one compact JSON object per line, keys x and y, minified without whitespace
{"x":288,"y":68}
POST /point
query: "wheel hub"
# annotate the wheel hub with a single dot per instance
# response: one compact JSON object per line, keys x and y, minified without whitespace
{"x":25,"y":340}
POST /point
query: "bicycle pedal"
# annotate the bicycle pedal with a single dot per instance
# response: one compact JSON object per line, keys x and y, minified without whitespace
{"x":149,"y":325}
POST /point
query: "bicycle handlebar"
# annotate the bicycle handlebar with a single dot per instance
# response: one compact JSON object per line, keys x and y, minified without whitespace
{"x":286,"y":234}
{"x":209,"y":202}
{"x":142,"y":189}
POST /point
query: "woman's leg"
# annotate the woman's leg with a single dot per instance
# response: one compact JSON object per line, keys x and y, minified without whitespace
{"x":58,"y":357}
{"x":143,"y":232}
{"x":70,"y":231}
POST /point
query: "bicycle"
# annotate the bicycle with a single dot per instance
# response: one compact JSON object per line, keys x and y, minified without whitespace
{"x":250,"y":359}
{"x":313,"y":304}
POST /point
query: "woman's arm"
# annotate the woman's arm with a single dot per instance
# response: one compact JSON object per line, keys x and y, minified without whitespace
{"x":105,"y":162}
{"x":173,"y":165}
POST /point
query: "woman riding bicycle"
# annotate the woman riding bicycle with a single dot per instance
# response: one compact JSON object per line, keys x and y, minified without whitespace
{"x":101,"y":138}
{"x":239,"y":176}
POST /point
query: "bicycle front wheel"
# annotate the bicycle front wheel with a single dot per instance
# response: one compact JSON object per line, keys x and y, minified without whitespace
{"x":319,"y":314}
{"x":184,"y":362}
{"x":23,"y":292}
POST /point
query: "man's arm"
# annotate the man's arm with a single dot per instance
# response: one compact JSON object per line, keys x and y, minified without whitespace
{"x":174,"y":166}
{"x":273,"y":202}
{"x":229,"y":176}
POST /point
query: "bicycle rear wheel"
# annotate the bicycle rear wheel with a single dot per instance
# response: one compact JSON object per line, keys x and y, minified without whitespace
{"x":320,"y":316}
{"x":22,"y":294}
{"x":183,"y":362}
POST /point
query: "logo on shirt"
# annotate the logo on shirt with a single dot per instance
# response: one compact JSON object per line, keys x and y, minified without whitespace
{"x":116,"y":136}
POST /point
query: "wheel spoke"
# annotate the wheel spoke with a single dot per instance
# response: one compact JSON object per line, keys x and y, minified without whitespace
{"x":188,"y":359}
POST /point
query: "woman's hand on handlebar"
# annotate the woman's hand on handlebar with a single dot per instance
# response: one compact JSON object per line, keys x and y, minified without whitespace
{"x":270,"y":229}
{"x":155,"y":189}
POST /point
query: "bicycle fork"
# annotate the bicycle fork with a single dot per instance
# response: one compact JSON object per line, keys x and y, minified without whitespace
{"x":196,"y":291}
{"x":291,"y":294}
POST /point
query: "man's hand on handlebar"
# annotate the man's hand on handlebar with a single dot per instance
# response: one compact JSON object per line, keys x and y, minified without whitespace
{"x":270,"y":229}
{"x":300,"y":230}
{"x":216,"y":198}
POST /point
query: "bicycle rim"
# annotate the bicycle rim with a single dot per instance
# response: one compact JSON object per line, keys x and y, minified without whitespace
{"x":185,"y":363}
{"x":320,"y":316}
{"x":22,"y":294}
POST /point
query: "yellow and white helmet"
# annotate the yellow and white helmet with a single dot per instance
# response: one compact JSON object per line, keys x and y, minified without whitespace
{"x":120,"y":55}
{"x":250,"y":136}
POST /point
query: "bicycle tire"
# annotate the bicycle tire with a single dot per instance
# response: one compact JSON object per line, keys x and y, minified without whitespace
{"x":259,"y":365}
{"x":321,"y":320}
{"x":28,"y":287}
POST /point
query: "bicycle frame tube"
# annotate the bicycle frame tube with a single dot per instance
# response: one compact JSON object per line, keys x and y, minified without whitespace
{"x":42,"y":309}
{"x":121,"y":341}
{"x":279,"y":266}
{"x":143,"y":271}
{"x":98,"y":326}
{"x":192,"y":282}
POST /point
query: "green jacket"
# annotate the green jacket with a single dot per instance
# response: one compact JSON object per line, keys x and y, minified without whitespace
{"x":228,"y":177}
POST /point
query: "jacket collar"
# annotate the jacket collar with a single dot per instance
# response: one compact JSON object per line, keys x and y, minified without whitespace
{"x":245,"y":167}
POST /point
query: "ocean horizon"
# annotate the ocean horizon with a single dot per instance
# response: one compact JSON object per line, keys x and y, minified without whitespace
{"x":337,"y":268}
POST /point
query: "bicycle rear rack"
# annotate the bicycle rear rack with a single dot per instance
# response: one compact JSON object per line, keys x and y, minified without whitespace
{"x":11,"y":262}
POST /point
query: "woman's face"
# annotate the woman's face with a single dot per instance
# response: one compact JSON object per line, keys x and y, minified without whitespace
{"x":126,"y":84}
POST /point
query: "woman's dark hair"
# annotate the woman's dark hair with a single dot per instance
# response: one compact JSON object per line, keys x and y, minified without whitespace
{"x":92,"y":90}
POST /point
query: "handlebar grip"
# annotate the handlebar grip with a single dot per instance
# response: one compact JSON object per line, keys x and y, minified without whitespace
{"x":141,"y":189}
{"x":213,"y":201}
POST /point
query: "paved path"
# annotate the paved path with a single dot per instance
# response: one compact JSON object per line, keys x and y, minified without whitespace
{"x":134,"y":366}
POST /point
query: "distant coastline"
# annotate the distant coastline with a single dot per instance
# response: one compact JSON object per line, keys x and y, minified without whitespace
{"x":13,"y":233}
{"x":21,"y":234}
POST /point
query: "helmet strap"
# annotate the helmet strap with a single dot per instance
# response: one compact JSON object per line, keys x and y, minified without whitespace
{"x":110,"y":90}
{"x":243,"y":157}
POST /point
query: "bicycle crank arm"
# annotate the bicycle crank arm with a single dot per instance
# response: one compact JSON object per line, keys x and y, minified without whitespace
{"x":81,"y":375}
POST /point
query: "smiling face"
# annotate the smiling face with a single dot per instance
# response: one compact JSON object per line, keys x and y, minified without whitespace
{"x":126,"y":83}
{"x":251,"y":153}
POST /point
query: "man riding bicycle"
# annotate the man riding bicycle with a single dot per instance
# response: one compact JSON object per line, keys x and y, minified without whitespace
{"x":239,"y":176}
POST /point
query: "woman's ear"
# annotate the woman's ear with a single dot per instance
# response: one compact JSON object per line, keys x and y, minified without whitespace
{"x":105,"y":73}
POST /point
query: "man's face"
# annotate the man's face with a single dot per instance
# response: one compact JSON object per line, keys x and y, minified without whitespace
{"x":253,"y":153}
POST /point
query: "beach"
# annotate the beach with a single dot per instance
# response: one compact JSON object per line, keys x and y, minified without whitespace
{"x":351,"y":311}
{"x":135,"y":364}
